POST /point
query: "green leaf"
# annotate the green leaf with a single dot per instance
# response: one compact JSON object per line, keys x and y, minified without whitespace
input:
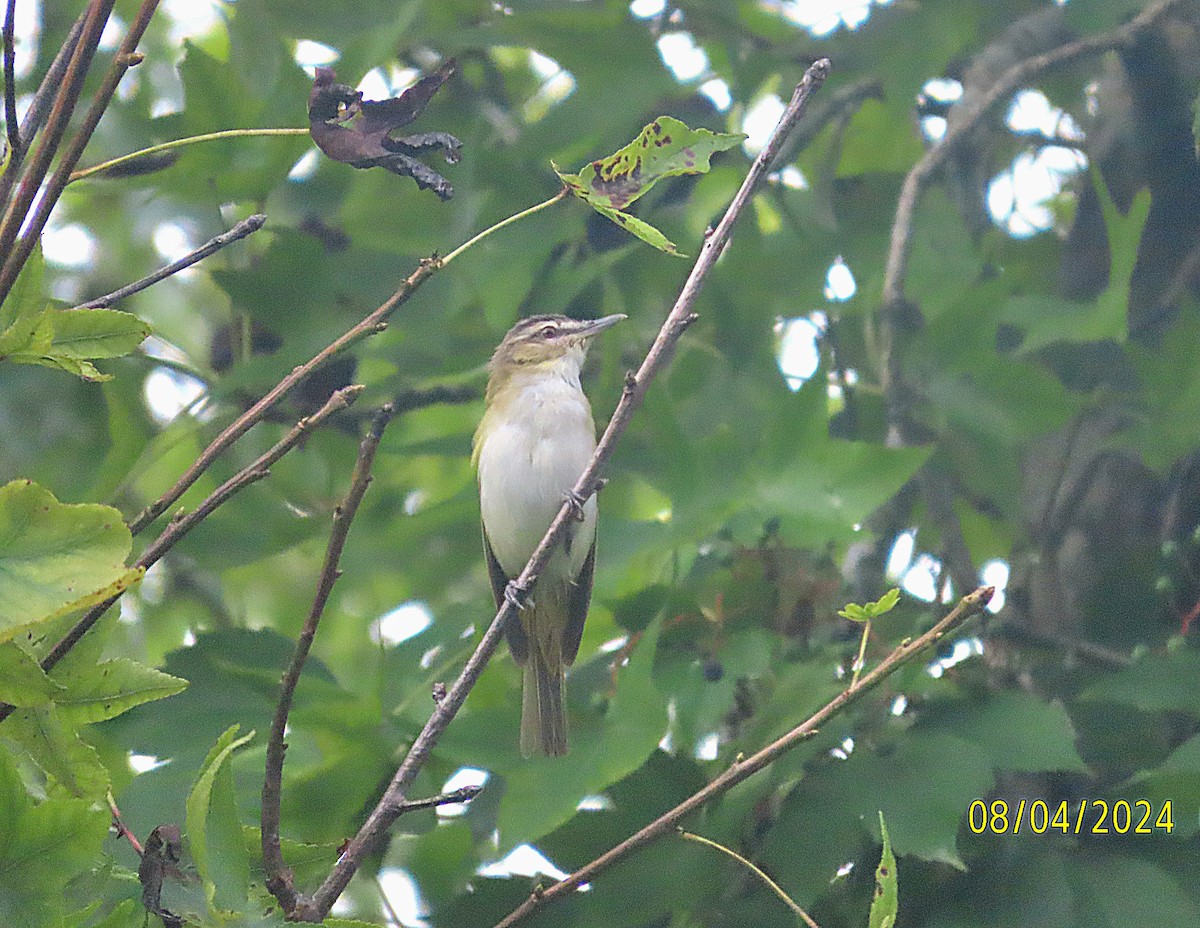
{"x":886,"y":903}
{"x":885,"y":604}
{"x":214,"y":830}
{"x":1015,"y":730}
{"x":23,"y":683}
{"x":95,"y":692}
{"x":55,"y":557}
{"x":55,"y":746}
{"x":1157,"y":683}
{"x":27,"y":297}
{"x":1124,"y":236}
{"x":28,"y":337}
{"x":664,"y":148}
{"x":42,"y":847}
{"x":643,"y":230}
{"x":96,"y":333}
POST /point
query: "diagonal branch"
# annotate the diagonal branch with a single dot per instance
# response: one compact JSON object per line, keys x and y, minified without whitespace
{"x":279,"y":878}
{"x":971,"y":605}
{"x":35,"y":116}
{"x":185,"y":522}
{"x":125,"y":58}
{"x":65,"y":100}
{"x":374,"y":322}
{"x":659,"y":355}
{"x":240,"y":231}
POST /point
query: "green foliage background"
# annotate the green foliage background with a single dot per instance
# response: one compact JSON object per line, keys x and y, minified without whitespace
{"x":1054,"y":382}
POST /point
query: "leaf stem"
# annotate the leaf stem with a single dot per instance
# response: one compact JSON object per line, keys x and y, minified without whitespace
{"x":862,"y":653}
{"x":775,"y":887}
{"x":562,"y":193}
{"x":180,"y":143}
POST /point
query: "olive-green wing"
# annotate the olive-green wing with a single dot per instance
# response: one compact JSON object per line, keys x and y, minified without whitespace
{"x":577,"y":606}
{"x":518,"y":641}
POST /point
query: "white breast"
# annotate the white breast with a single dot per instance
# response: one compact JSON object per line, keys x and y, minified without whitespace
{"x":530,"y":458}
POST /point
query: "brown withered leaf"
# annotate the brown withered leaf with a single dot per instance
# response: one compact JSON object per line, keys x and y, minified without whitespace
{"x":160,"y":859}
{"x":358,"y":132}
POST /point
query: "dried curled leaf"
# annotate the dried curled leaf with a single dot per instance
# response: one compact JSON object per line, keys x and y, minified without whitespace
{"x":358,"y":132}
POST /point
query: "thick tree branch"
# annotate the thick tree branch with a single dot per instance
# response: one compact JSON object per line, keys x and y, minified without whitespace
{"x":279,"y":878}
{"x":659,"y":355}
{"x":183,"y":523}
{"x":125,"y":58}
{"x":240,"y":231}
{"x":65,"y":99}
{"x":971,"y":605}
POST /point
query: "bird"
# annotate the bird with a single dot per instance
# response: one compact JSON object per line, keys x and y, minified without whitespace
{"x":533,"y":442}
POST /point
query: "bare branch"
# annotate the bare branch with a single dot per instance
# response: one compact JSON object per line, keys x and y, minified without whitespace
{"x":10,"y":81}
{"x":659,"y":355}
{"x":279,"y":878}
{"x":125,"y":58}
{"x":240,"y":231}
{"x":35,"y":116}
{"x":183,"y":522}
{"x":370,"y":325}
{"x":971,"y":605}
{"x":65,"y":99}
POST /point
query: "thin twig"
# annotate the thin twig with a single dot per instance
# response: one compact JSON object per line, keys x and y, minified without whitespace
{"x":970,"y":605}
{"x":420,"y":397}
{"x":758,"y":871}
{"x":125,"y":58}
{"x":183,"y":523}
{"x":279,"y":878}
{"x":10,"y":81}
{"x":1009,"y":82}
{"x":180,"y":143}
{"x":557,"y":198}
{"x":462,"y":794}
{"x":241,"y":230}
{"x":659,"y":355}
{"x":39,"y":106}
{"x":371,"y":324}
{"x":119,"y":824}
{"x":65,"y":100}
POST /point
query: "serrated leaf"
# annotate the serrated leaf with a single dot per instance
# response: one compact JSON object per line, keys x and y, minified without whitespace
{"x":85,"y":370}
{"x":28,"y":336}
{"x":854,"y":612}
{"x":54,"y":556}
{"x":214,"y":831}
{"x":27,"y":297}
{"x":55,"y":746}
{"x":23,"y":683}
{"x":96,"y":333}
{"x":664,"y":148}
{"x":886,"y":903}
{"x":42,"y":846}
{"x":105,"y":690}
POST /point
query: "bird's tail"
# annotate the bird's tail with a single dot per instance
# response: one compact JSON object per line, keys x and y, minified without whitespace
{"x":543,"y":712}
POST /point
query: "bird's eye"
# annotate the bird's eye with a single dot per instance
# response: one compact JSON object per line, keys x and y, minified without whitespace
{"x":549,"y":332}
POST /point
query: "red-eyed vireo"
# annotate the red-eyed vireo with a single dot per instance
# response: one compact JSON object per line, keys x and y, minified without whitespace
{"x":534,"y":440}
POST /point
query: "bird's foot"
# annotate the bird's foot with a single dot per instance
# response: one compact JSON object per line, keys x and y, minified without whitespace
{"x":517,"y":596}
{"x":576,"y":502}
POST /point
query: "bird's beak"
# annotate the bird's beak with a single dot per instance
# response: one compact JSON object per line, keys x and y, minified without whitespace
{"x":607,"y":322}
